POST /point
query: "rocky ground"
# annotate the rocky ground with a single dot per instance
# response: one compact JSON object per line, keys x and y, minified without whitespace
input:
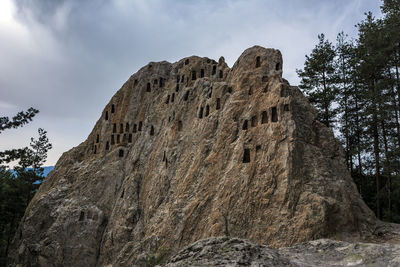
{"x":224,"y":251}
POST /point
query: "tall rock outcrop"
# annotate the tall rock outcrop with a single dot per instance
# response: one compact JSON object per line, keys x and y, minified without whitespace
{"x":191,"y":150}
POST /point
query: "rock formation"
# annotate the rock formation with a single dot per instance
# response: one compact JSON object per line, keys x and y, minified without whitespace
{"x":191,"y":150}
{"x":223,"y":251}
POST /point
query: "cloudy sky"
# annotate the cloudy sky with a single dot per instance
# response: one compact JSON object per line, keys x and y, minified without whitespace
{"x":68,"y":57}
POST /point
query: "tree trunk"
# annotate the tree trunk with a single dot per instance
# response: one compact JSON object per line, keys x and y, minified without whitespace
{"x":387,"y":167}
{"x":326,"y":106}
{"x":358,"y":135}
{"x":346,"y":117}
{"x":398,"y":92}
{"x":358,"y":140}
{"x":397,"y":71}
{"x":396,"y":109}
{"x":375,"y":134}
{"x":377,"y":178}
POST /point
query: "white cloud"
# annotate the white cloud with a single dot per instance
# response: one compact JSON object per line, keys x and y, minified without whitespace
{"x":7,"y":10}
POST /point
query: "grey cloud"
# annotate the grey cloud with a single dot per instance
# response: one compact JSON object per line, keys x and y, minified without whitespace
{"x":76,"y":54}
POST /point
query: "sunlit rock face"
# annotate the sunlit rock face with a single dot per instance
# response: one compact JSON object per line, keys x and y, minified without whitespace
{"x":191,"y":150}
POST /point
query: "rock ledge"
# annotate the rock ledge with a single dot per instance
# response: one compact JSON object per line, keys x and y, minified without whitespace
{"x":224,"y":251}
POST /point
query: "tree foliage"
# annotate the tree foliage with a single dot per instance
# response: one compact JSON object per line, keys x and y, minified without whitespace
{"x":18,"y":120}
{"x":18,"y":186}
{"x":318,"y":79}
{"x":363,"y":83}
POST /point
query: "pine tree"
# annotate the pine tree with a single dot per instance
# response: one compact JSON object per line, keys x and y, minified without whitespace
{"x":391,"y":35}
{"x":381,"y":106}
{"x":344,"y":65}
{"x":17,"y":187}
{"x":318,"y":80}
{"x":366,"y":88}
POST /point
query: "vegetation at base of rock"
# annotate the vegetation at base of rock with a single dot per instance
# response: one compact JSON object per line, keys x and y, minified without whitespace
{"x":355,"y":87}
{"x":157,"y":258}
{"x":18,"y":187}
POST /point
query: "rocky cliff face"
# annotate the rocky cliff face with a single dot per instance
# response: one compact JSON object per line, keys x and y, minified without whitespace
{"x":191,"y":150}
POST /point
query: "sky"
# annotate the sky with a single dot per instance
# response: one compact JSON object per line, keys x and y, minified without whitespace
{"x":67,"y":58}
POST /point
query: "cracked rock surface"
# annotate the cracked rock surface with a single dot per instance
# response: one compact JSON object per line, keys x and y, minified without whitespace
{"x":190,"y":150}
{"x":224,"y":251}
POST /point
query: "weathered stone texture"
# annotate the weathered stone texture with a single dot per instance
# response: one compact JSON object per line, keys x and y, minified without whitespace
{"x":223,"y":251}
{"x":191,"y":150}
